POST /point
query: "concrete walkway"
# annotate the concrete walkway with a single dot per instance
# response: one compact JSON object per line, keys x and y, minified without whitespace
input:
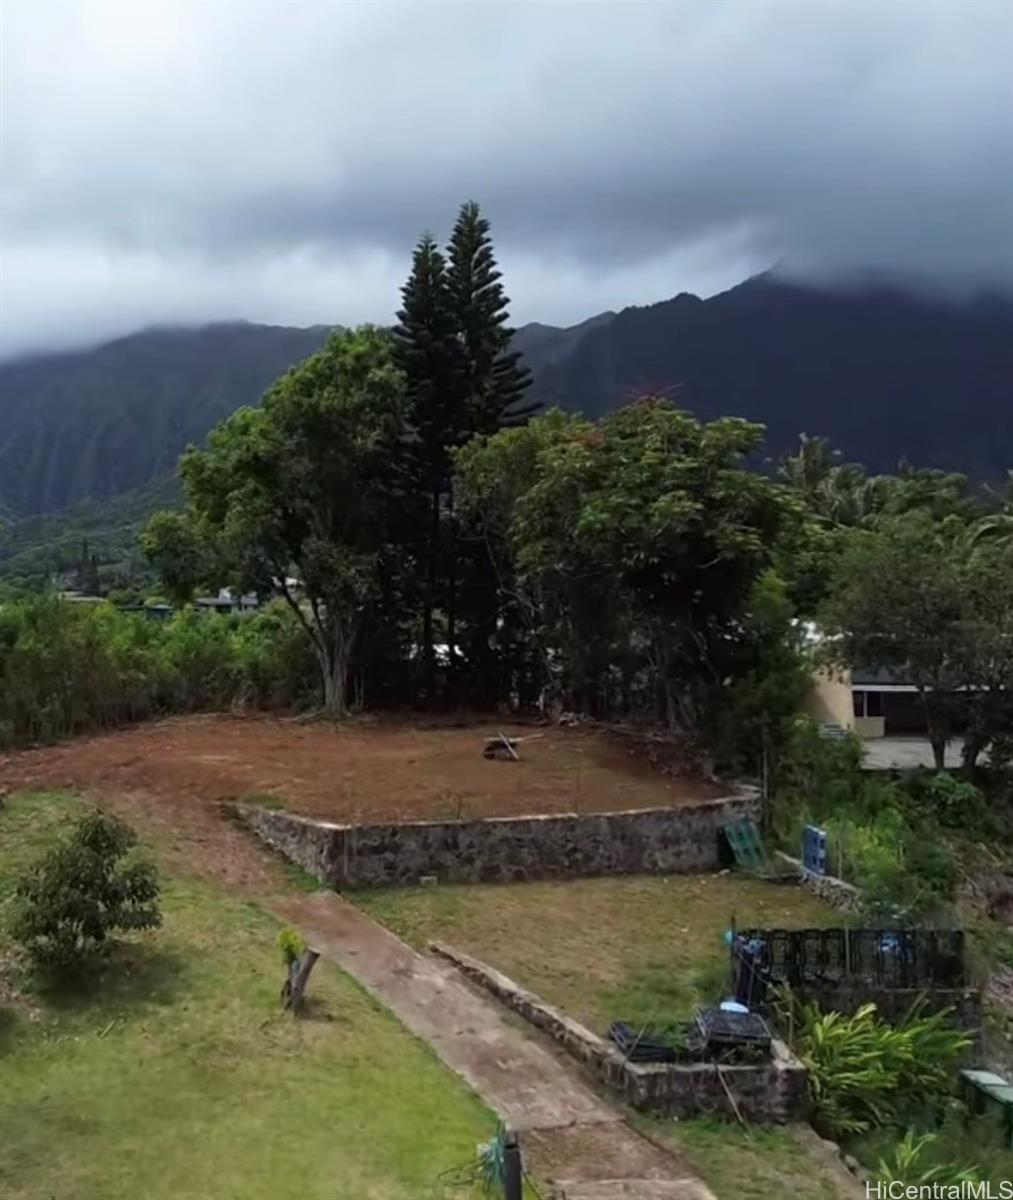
{"x":526,"y":1086}
{"x":906,"y":753}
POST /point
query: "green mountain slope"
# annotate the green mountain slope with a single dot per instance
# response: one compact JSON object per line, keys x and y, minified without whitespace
{"x":39,"y":547}
{"x":543,"y":345}
{"x":99,"y":422}
{"x":882,"y":374}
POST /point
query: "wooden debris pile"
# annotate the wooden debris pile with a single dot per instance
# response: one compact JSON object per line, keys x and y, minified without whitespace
{"x":504,"y":747}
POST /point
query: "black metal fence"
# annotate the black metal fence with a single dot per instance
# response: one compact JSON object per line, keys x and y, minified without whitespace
{"x":892,"y":958}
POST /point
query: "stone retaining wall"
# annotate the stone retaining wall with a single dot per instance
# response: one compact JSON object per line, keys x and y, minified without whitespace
{"x":838,"y":893}
{"x":771,"y":1092}
{"x":662,"y":841}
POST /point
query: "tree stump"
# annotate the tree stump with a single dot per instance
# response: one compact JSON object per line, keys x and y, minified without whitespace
{"x":298,"y":976}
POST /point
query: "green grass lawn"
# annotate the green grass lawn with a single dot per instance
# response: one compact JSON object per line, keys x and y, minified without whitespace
{"x":754,"y":1164}
{"x":175,"y":1076}
{"x":643,"y":949}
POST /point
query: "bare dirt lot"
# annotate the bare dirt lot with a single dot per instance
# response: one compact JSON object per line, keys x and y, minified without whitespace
{"x":171,"y":778}
{"x":358,"y":771}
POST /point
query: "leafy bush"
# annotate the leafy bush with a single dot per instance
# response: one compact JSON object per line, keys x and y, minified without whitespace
{"x":954,"y":802}
{"x":865,"y":1072}
{"x":877,"y":836}
{"x":80,"y":893}
{"x":67,"y":668}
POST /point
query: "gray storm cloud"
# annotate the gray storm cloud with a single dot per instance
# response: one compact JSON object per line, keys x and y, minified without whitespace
{"x":183,"y":161}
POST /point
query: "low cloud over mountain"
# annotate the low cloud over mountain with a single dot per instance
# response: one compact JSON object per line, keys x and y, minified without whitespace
{"x":167,"y":161}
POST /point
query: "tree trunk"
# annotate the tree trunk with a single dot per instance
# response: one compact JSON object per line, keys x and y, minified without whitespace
{"x":973,"y":746}
{"x":451,"y":597}
{"x":938,"y":738}
{"x":428,"y":647}
{"x":298,"y":977}
{"x":333,"y":663}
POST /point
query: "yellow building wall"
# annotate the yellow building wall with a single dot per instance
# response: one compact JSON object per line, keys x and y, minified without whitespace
{"x":870,"y":727}
{"x":829,"y":698}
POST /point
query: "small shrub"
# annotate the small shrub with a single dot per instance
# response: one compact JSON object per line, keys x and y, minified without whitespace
{"x":955,"y":803}
{"x":71,"y":901}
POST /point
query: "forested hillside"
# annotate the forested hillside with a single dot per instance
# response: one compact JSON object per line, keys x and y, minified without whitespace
{"x":47,"y":544}
{"x":95,"y":423}
{"x":885,"y":376}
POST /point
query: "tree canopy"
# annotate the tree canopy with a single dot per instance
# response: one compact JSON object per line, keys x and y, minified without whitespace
{"x":303,"y":485}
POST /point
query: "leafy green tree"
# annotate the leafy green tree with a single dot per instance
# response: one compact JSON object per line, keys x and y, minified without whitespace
{"x":836,"y":493}
{"x":637,"y":540}
{"x":303,"y":484}
{"x":491,"y":381}
{"x":941,"y":494}
{"x":770,"y":677}
{"x":997,"y":524}
{"x":81,"y":893}
{"x":181,"y":554}
{"x":898,"y":601}
{"x":550,"y":636}
{"x":984,"y":656}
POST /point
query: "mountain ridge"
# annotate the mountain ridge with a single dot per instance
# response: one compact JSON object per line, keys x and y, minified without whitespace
{"x":883,"y":373}
{"x":89,"y":424}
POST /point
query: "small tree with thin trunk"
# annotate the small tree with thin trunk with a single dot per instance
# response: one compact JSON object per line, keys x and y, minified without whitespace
{"x":300,"y":489}
{"x":72,"y":902}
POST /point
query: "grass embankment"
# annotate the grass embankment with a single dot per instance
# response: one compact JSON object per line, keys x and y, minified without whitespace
{"x":175,"y":1076}
{"x":641,"y":949}
{"x":754,"y":1164}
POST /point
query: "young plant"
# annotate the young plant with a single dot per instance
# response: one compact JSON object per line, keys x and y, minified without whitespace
{"x":77,"y":896}
{"x":292,"y":946}
{"x":908,"y":1166}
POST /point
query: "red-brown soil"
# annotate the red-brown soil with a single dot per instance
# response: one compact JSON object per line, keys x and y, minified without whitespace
{"x":171,"y":778}
{"x":356,"y":772}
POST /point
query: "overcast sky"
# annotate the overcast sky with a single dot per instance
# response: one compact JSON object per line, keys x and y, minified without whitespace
{"x":206,"y":159}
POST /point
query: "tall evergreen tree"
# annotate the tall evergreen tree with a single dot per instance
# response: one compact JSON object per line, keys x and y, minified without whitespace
{"x":493,"y":379}
{"x":463,"y":379}
{"x":428,"y":352}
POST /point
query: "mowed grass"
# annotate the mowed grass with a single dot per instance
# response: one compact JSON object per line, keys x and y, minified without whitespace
{"x":175,"y":1076}
{"x":642,"y":949}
